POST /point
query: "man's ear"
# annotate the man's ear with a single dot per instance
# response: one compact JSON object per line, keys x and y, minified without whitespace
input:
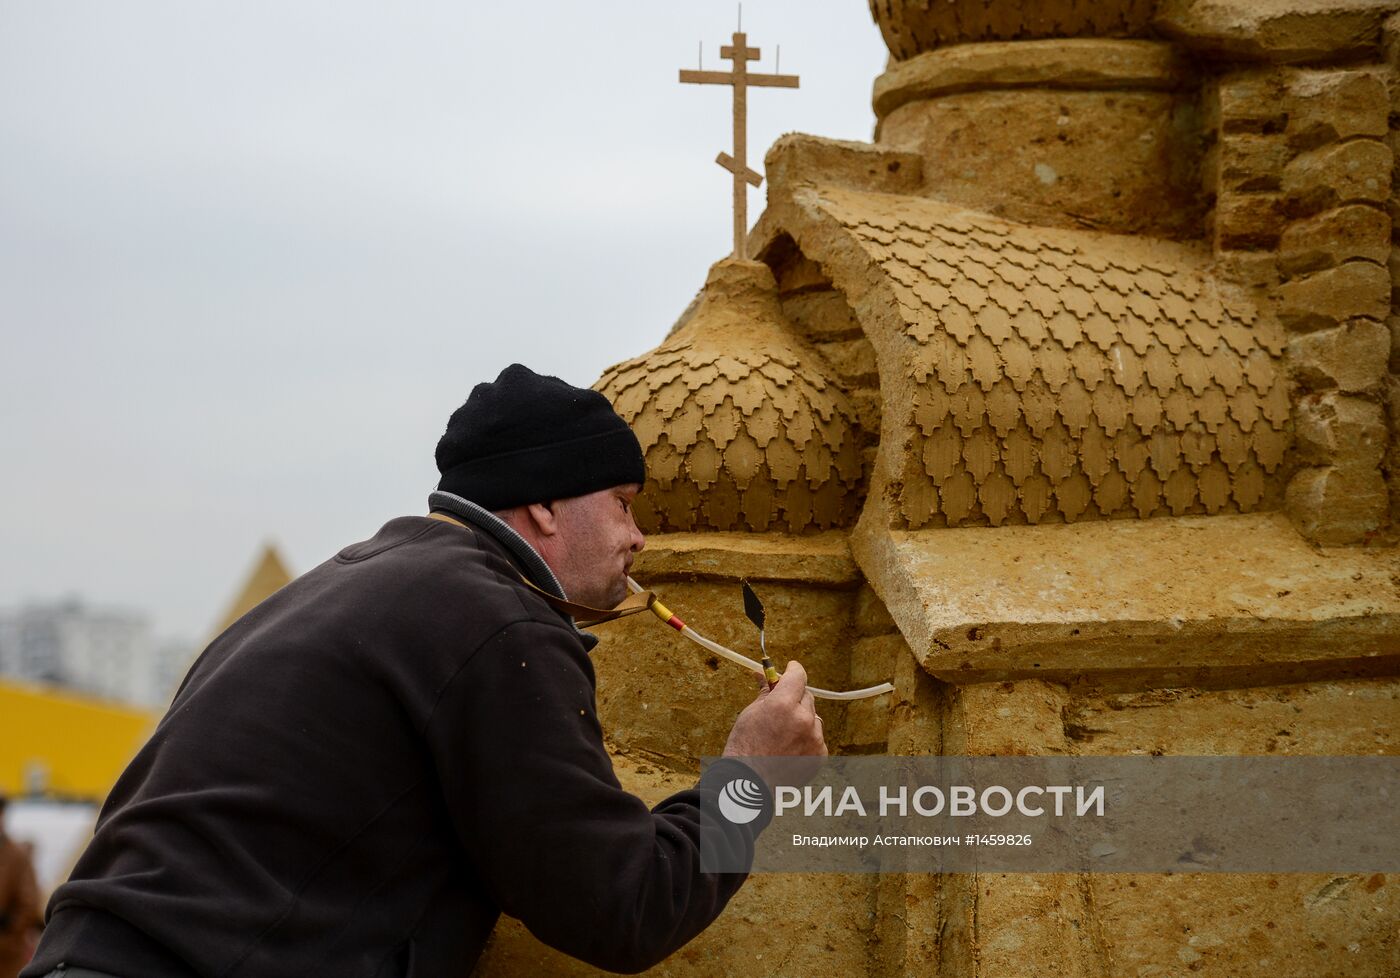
{"x":543,"y":517}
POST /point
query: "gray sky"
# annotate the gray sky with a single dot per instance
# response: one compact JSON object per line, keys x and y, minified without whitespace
{"x":253,"y":254}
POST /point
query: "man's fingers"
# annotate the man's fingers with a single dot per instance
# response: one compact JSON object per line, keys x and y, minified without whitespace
{"x":792,"y":685}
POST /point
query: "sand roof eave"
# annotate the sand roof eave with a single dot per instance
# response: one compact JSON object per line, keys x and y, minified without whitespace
{"x":972,"y":602}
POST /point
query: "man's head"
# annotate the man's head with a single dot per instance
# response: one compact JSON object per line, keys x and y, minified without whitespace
{"x":558,"y":464}
{"x":588,"y":541}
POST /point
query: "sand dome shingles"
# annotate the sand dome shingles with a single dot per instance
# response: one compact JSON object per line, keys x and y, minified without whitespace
{"x":741,"y":425}
{"x":911,"y":27}
{"x":1040,"y":375}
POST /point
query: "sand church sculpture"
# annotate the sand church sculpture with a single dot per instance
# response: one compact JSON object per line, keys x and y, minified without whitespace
{"x":1069,"y":402}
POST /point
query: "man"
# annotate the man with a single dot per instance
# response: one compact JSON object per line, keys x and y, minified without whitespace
{"x":19,"y":902}
{"x":363,"y":771}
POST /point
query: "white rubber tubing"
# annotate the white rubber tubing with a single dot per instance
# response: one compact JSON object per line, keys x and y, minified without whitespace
{"x":747,"y":663}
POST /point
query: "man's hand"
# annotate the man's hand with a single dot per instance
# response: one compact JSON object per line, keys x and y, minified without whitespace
{"x":782,"y":722}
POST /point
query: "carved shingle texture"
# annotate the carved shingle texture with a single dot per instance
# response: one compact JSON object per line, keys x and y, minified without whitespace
{"x":741,"y":427}
{"x":1063,"y":375}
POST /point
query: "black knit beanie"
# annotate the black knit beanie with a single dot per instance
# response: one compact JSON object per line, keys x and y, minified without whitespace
{"x":530,"y":439}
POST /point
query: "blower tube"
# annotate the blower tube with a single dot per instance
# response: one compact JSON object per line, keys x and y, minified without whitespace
{"x":666,"y":615}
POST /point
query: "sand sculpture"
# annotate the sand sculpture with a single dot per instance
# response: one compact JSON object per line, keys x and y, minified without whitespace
{"x":1069,"y":402}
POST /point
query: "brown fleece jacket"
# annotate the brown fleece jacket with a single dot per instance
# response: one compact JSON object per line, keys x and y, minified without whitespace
{"x":19,"y":906}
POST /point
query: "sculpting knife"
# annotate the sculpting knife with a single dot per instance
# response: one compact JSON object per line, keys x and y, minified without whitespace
{"x":754,"y":609}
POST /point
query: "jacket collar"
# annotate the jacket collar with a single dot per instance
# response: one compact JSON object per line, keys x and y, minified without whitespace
{"x":498,"y":529}
{"x":517,"y":546}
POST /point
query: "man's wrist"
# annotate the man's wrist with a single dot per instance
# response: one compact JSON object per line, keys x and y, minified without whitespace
{"x":751,"y":765}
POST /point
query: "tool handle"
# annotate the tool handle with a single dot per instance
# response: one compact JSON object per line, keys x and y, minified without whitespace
{"x":770,"y":673}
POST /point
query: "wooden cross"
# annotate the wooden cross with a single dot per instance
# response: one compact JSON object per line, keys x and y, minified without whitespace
{"x":740,"y":78}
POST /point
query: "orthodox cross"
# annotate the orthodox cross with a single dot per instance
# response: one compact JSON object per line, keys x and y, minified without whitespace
{"x":740,"y":78}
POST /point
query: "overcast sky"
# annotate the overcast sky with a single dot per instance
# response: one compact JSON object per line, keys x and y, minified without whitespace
{"x":253,"y":254}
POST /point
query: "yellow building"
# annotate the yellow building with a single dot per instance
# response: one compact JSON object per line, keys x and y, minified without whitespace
{"x":68,"y":745}
{"x":65,"y":744}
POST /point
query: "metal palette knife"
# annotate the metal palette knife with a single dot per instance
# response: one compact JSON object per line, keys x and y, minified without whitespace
{"x":754,"y":609}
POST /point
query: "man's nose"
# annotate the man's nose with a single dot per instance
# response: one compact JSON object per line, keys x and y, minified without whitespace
{"x":639,"y":542}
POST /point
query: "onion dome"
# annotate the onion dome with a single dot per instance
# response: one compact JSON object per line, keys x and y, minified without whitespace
{"x":912,"y":27}
{"x":742,"y":427}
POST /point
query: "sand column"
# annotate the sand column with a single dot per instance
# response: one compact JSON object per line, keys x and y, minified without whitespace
{"x":1070,"y":132}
